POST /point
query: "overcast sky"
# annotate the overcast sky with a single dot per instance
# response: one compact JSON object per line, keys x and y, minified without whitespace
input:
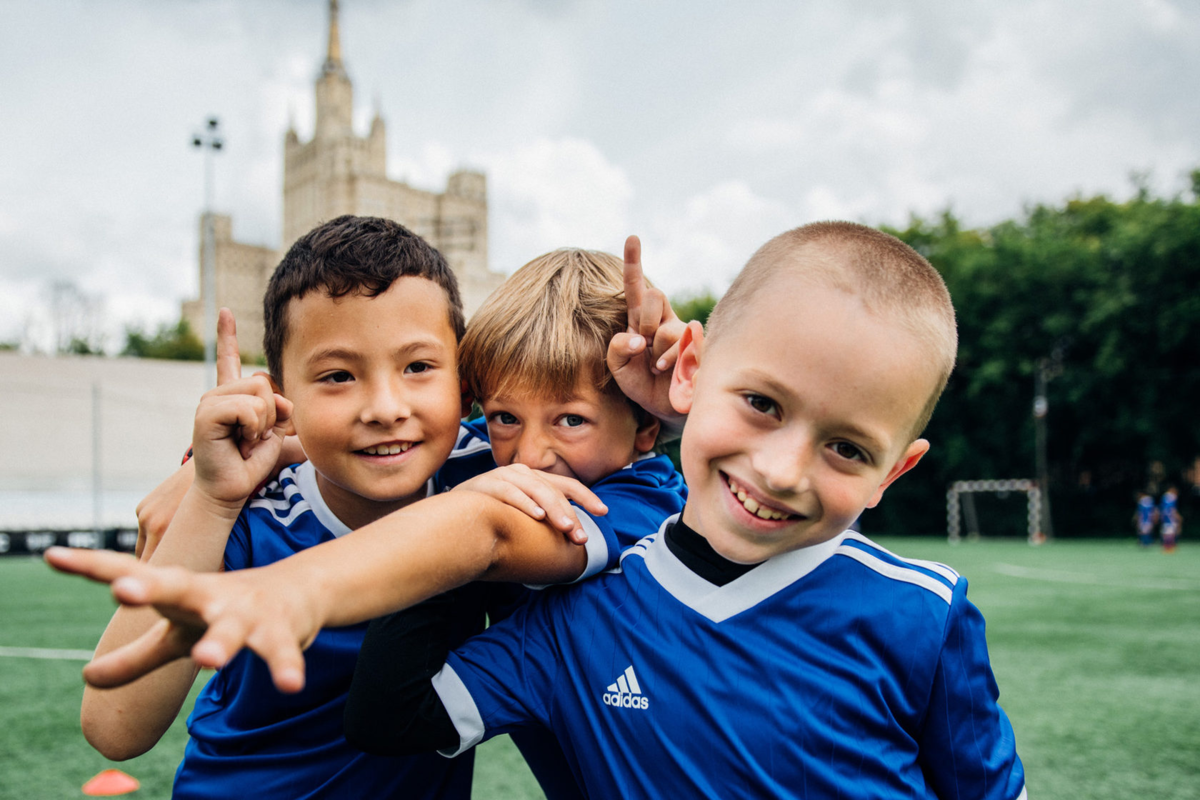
{"x":705,"y":127}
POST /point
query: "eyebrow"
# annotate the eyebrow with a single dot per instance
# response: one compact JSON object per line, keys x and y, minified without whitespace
{"x":870,"y":442}
{"x":346,"y":354}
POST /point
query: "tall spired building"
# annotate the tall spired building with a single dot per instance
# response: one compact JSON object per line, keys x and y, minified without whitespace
{"x":339,"y":172}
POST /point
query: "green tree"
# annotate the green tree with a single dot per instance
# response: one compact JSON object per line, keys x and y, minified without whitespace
{"x":1109,"y":286}
{"x":176,"y":342}
{"x":695,"y":306}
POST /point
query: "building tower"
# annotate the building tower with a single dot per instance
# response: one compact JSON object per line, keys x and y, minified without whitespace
{"x":339,"y":172}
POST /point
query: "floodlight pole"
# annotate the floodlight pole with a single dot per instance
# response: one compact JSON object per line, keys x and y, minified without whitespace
{"x":210,"y":142}
{"x":1046,"y":370}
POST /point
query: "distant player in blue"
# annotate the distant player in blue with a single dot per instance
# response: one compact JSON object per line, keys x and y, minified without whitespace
{"x":1170,"y":521}
{"x":1145,"y":517}
{"x":752,"y":647}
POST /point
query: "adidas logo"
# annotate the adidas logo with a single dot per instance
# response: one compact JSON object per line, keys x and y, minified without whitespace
{"x":626,"y":692}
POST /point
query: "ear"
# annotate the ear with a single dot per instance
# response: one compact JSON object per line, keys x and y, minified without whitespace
{"x":647,"y":433}
{"x":275,"y":387}
{"x":467,"y":400}
{"x":910,"y":459}
{"x":683,"y":379}
{"x":284,"y":423}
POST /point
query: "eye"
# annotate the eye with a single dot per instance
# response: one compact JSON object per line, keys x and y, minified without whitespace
{"x":849,"y":451}
{"x":571,"y":420}
{"x":762,"y":404}
{"x":341,"y":376}
{"x":417,"y":367}
{"x":503,"y":418}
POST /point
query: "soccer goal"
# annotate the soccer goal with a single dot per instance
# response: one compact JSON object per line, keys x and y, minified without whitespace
{"x":960,"y":506}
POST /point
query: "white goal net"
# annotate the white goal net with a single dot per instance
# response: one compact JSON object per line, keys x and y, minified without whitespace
{"x":960,"y":506}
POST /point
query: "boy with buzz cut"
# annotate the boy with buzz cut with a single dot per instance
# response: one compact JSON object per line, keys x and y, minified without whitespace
{"x":753,"y":646}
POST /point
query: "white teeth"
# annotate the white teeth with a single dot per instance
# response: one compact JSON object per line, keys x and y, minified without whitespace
{"x":387,"y":449}
{"x":751,"y":505}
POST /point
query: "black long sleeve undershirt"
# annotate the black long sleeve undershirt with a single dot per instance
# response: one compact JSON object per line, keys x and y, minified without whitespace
{"x":393,"y":709}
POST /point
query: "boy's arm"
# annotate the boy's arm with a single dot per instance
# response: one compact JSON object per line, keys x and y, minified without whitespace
{"x":391,"y":709}
{"x":967,"y":747}
{"x":415,"y":553}
{"x":410,"y":695}
{"x":157,"y":509}
{"x":126,"y":722}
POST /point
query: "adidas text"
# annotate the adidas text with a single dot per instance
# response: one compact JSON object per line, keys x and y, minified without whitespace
{"x":626,"y":692}
{"x":626,"y":700}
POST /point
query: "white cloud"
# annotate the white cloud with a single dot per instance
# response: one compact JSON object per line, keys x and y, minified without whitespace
{"x":554,"y":193}
{"x":705,"y":244}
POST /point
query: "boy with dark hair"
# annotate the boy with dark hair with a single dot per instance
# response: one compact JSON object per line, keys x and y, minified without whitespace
{"x":753,"y":647}
{"x":363,"y":319}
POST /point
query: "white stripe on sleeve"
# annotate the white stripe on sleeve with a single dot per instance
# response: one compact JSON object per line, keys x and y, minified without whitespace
{"x":461,"y":708}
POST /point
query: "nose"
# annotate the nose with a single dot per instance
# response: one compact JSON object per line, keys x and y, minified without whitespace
{"x":534,"y":450}
{"x":386,"y":403}
{"x":784,"y":463}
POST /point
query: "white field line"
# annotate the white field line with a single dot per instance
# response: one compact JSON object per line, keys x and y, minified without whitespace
{"x":46,"y":653}
{"x":1062,"y":576}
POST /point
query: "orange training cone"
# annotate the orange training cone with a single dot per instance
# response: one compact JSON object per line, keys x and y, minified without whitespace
{"x":110,"y":782}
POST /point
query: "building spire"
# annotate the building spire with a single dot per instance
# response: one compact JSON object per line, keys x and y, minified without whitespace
{"x":334,"y":57}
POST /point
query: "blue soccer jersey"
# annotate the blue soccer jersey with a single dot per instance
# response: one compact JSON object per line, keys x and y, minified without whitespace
{"x":638,"y":498}
{"x":1168,"y":513}
{"x":1145,"y":514}
{"x":250,"y":739}
{"x":837,"y":670}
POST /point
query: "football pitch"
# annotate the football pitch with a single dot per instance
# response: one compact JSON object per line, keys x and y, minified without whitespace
{"x":1095,"y":645}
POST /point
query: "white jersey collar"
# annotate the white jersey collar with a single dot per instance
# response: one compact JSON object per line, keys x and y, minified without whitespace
{"x":306,"y":481}
{"x":719,"y":603}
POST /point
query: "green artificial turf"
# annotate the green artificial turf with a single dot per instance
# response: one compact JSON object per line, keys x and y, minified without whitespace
{"x":1095,"y":645}
{"x":1096,"y":649}
{"x":45,"y":754}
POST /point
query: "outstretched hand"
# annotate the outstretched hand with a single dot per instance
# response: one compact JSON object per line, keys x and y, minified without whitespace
{"x":208,"y":616}
{"x":642,"y":358}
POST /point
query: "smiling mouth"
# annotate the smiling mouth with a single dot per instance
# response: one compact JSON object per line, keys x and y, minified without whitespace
{"x":754,"y":507}
{"x":389,"y":449}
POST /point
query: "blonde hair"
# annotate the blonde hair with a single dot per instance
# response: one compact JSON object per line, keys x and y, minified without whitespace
{"x":889,"y":276}
{"x":546,"y":326}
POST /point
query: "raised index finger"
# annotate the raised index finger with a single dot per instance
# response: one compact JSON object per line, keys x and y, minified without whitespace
{"x":229,"y":359}
{"x":635,"y":283}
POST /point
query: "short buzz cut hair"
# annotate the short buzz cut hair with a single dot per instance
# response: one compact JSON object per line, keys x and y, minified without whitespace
{"x":889,"y":276}
{"x":348,"y":255}
{"x":548,"y":325}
